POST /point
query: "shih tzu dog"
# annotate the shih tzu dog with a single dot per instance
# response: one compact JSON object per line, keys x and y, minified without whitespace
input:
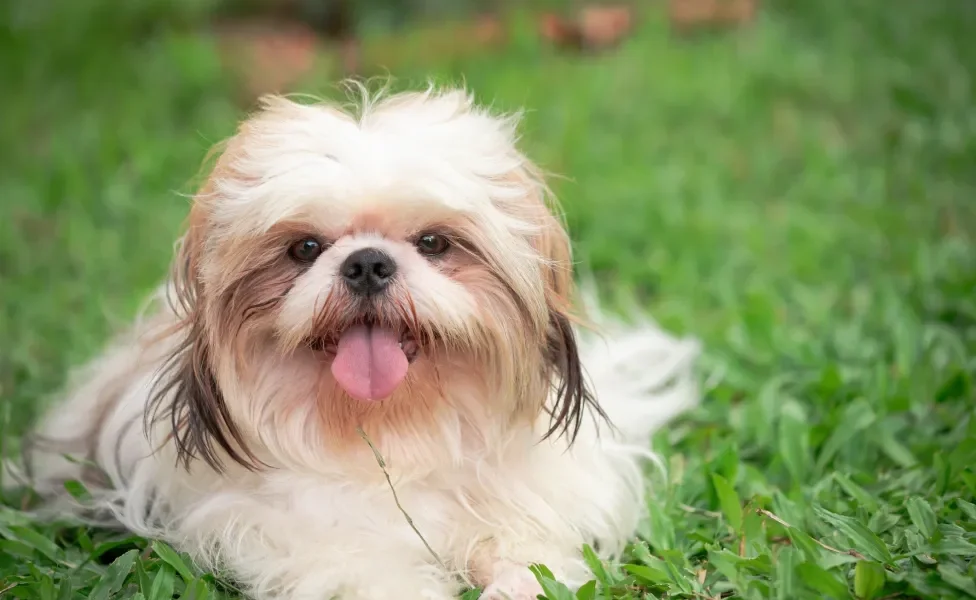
{"x":359,"y":295}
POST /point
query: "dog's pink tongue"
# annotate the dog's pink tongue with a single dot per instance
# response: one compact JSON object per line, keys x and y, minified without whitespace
{"x":369,"y":362}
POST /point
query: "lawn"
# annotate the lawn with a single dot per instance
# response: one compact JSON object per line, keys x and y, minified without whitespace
{"x":800,"y":195}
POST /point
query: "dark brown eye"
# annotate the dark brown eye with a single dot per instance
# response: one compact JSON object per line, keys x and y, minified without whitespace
{"x":305,"y":250}
{"x":432,"y":244}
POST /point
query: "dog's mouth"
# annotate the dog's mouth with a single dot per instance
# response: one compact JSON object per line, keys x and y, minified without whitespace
{"x":369,"y":360}
{"x":329,"y":345}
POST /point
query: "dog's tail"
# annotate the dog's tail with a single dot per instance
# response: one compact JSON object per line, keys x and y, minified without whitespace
{"x":642,"y":376}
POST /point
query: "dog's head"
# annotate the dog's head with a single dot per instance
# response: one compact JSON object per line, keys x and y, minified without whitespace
{"x":397,"y":270}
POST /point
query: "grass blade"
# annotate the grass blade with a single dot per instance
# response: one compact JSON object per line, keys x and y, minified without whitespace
{"x":163,"y":584}
{"x":863,"y":538}
{"x":114,"y":577}
{"x":173,"y":559}
{"x":869,"y":579}
{"x":922,"y":515}
{"x":729,"y":501}
{"x":553,"y":589}
{"x":823,"y":581}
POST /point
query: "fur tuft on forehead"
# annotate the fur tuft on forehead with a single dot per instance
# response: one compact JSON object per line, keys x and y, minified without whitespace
{"x":431,"y":150}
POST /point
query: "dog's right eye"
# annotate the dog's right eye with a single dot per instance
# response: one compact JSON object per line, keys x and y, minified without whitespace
{"x":305,"y":250}
{"x":432,"y":244}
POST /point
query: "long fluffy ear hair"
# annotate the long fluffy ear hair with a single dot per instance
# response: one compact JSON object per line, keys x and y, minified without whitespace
{"x":572,"y":394}
{"x":186,"y":391}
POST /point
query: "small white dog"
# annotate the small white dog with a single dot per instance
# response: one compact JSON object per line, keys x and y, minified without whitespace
{"x":393,"y":277}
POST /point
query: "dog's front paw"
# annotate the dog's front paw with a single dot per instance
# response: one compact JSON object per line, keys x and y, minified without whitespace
{"x":513,"y":583}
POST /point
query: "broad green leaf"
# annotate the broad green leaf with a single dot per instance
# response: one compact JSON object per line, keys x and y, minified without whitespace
{"x":675,"y":564}
{"x":754,"y":532}
{"x":786,"y":508}
{"x":727,"y":564}
{"x":163,"y":584}
{"x":827,"y":583}
{"x":726,"y":463}
{"x":554,"y":590}
{"x":922,"y":516}
{"x":114,"y":577}
{"x":895,"y":450}
{"x":957,"y":579}
{"x":869,"y":579}
{"x":44,"y":587}
{"x":968,"y":508}
{"x":662,"y":534}
{"x":728,"y":500}
{"x":9,"y":516}
{"x":77,"y":490}
{"x":856,"y":492}
{"x":472,"y":594}
{"x":113,"y":544}
{"x":758,"y":565}
{"x":658,"y":570}
{"x":757,"y":589}
{"x":173,"y":559}
{"x":14,"y":548}
{"x":968,"y":479}
{"x":35,"y":540}
{"x":857,"y":417}
{"x":882,"y":520}
{"x":945,"y":530}
{"x":916,"y":544}
{"x":863,"y":538}
{"x":956,"y":546}
{"x":650,"y":574}
{"x":587,"y":591}
{"x":943,"y":473}
{"x":643,"y":553}
{"x":66,"y":590}
{"x":542,"y":570}
{"x":86,"y":543}
{"x":956,"y":386}
{"x":145,"y":584}
{"x":786,"y":562}
{"x":596,"y":565}
{"x":963,"y":455}
{"x":794,"y":441}
{"x":804,"y":543}
{"x":196,"y":590}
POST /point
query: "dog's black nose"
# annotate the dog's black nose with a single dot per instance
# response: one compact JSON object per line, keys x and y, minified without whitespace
{"x":368,"y":271}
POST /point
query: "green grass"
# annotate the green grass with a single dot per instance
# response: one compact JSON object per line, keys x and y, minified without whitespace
{"x":800,"y":195}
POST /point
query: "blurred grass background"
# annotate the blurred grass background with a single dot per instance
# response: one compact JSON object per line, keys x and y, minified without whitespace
{"x":797,"y":192}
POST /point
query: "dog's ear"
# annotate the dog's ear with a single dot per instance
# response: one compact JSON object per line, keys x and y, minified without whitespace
{"x":186,"y":391}
{"x":572,"y":395}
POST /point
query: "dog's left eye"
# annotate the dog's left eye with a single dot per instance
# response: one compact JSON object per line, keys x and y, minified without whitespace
{"x":306,"y":250}
{"x":432,"y":244}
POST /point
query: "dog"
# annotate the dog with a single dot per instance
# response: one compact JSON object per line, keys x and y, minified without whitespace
{"x":367,"y":376}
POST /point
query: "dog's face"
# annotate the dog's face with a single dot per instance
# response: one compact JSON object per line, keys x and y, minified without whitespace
{"x":398,"y":272}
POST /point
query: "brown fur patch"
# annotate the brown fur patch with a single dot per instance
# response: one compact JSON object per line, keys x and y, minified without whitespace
{"x":563,"y":367}
{"x":186,"y":393}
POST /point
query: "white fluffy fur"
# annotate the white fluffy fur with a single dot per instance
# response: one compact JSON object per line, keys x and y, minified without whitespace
{"x":323,"y":523}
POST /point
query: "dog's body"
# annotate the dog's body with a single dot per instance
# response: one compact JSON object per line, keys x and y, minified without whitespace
{"x":221,"y":429}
